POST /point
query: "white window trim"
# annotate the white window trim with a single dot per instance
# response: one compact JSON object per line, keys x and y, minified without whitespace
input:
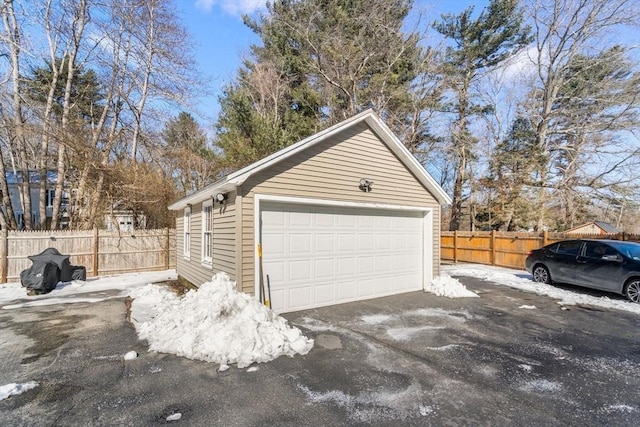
{"x":427,"y":212}
{"x":186,"y":233}
{"x":207,"y":261}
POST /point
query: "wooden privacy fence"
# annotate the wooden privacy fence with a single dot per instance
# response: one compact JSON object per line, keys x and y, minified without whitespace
{"x":505,"y":249}
{"x":101,"y":252}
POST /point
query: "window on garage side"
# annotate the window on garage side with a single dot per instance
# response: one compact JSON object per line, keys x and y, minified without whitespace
{"x":187,"y":233}
{"x":207,"y":233}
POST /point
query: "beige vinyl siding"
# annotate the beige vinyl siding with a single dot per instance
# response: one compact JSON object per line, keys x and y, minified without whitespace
{"x":224,"y":243}
{"x":224,"y":236}
{"x":331,"y":170}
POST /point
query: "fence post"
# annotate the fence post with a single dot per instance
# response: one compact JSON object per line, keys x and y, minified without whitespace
{"x":96,"y":247}
{"x":493,"y":247}
{"x":545,"y":238}
{"x":455,"y":246}
{"x":166,"y":248}
{"x":4,"y":249}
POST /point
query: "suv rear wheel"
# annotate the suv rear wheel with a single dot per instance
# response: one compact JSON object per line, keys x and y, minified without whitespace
{"x":541,"y":274}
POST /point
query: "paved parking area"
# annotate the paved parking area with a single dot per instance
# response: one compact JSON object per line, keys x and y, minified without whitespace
{"x":412,"y":359}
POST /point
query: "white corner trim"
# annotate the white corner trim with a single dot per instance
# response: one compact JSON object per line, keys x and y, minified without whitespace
{"x":427,"y":249}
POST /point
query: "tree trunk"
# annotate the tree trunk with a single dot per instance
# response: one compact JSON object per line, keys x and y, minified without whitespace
{"x":19,"y":141}
{"x":80,"y":19}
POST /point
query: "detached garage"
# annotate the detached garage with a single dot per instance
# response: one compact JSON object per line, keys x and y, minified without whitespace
{"x":344,"y":215}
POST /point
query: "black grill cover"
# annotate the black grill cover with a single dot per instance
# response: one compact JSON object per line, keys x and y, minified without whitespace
{"x":41,"y":277}
{"x":62,"y":261}
{"x":78,"y":272}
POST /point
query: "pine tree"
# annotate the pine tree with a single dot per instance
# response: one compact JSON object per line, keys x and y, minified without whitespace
{"x":320,"y":61}
{"x":478,"y":44}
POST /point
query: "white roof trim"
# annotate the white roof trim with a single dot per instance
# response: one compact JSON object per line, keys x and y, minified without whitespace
{"x":231,"y":181}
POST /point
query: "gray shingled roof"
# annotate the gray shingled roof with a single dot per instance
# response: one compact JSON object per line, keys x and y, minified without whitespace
{"x":608,"y":228}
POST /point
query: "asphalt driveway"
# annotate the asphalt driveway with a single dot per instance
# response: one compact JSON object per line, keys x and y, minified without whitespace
{"x":412,"y":359}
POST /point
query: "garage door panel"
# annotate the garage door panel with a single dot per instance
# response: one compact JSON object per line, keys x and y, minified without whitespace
{"x":346,"y":291}
{"x":279,"y":299}
{"x":383,"y":264}
{"x":346,"y":267}
{"x":299,"y":220}
{"x":346,"y":242}
{"x":366,"y":264}
{"x":299,"y":270}
{"x":366,"y":242}
{"x":383,"y":242}
{"x":325,"y":220}
{"x":300,"y":243}
{"x":319,"y":256}
{"x":300,"y":298}
{"x":324,"y":243}
{"x":367,"y":288}
{"x":324,"y":294}
{"x":275,"y":242}
{"x":324,"y":268}
{"x":276,"y":272}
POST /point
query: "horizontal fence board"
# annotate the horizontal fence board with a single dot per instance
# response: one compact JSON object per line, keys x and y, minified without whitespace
{"x":109,"y":252}
{"x":506,"y":249}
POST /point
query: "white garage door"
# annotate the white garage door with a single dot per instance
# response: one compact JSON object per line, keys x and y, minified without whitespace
{"x":316,"y":256}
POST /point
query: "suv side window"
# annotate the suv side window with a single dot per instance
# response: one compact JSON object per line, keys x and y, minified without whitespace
{"x":569,"y":248}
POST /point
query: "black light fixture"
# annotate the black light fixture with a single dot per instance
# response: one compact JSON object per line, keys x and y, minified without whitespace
{"x":365,"y":185}
{"x":221,"y":198}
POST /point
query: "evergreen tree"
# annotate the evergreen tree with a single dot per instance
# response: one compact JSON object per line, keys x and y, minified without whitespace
{"x":599,"y":98}
{"x":192,"y":163}
{"x":512,"y":169}
{"x":320,"y":61}
{"x":86,"y":94}
{"x":478,"y":44}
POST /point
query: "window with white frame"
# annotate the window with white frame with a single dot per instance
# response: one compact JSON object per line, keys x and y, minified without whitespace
{"x":187,"y":232}
{"x":207,"y":233}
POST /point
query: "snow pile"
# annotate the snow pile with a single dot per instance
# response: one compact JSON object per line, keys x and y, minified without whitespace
{"x":447,"y":286}
{"x":522,"y":280}
{"x":216,"y":323}
{"x":12,"y":389}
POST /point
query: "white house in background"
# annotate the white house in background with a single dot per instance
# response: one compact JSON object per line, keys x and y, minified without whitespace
{"x":124,"y":219}
{"x":14,"y":180}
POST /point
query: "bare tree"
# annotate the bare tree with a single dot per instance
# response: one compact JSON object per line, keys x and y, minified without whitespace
{"x":13,"y":36}
{"x":565,"y":29}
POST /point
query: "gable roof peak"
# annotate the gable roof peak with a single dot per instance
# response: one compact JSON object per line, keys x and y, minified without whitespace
{"x":368,"y":116}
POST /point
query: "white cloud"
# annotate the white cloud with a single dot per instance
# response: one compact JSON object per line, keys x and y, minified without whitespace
{"x":232,"y":7}
{"x":519,"y":67}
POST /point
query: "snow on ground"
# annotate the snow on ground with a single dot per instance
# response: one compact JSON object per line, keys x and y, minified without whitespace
{"x":522,"y":280}
{"x":93,"y":290}
{"x":12,"y":389}
{"x":216,"y":323}
{"x":447,"y":286}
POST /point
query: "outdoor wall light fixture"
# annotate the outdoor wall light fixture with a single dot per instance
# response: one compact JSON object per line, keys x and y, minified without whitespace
{"x":221,"y":198}
{"x":365,"y":185}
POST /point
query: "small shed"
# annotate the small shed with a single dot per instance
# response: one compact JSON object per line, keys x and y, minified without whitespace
{"x":344,"y":215}
{"x":594,"y":227}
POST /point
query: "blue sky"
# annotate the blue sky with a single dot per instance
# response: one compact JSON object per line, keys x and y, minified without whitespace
{"x":221,"y":38}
